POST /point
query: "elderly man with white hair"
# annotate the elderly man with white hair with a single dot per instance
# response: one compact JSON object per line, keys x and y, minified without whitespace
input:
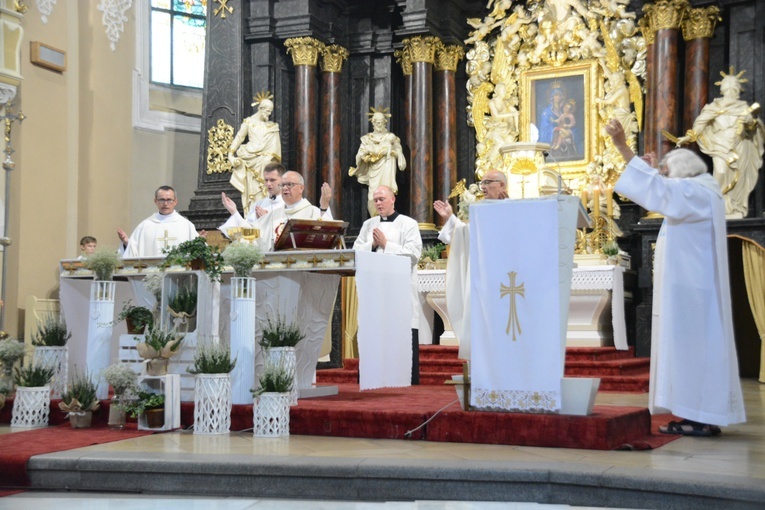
{"x":694,"y":368}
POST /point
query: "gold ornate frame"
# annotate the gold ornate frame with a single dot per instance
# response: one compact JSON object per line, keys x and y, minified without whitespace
{"x":584,"y":78}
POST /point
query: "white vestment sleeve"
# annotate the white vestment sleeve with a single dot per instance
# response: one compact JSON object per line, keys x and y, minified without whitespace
{"x":445,"y":236}
{"x":410,"y":244}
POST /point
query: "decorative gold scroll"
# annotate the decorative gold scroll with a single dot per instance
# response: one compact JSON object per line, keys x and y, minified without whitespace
{"x":219,"y":138}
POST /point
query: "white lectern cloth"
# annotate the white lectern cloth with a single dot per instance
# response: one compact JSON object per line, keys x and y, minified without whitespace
{"x":385,"y":317}
{"x":521,"y":257}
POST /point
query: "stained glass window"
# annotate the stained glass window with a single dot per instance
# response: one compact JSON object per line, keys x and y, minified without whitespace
{"x":178,"y":42}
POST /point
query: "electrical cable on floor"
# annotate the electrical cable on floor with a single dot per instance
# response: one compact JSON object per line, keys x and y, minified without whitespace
{"x":409,"y":432}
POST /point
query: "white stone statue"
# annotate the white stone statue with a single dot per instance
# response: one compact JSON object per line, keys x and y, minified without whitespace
{"x":378,"y":157}
{"x":728,"y":131}
{"x":263,"y":147}
{"x":504,"y":114}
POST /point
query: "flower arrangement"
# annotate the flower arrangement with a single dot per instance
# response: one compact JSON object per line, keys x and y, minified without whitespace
{"x":145,"y":401}
{"x":159,"y":343}
{"x":241,"y":257}
{"x":11,"y":350}
{"x":81,"y":395}
{"x":138,"y":318}
{"x":610,"y":248}
{"x":103,"y":262}
{"x":120,"y":377}
{"x":184,"y":301}
{"x":212,"y":358}
{"x":431,"y":254}
{"x":52,"y":332}
{"x":277,"y":333}
{"x":34,"y":376}
{"x":195,"y":251}
{"x":276,"y":378}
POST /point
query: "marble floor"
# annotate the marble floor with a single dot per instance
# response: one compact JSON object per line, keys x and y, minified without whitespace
{"x":738,"y":452}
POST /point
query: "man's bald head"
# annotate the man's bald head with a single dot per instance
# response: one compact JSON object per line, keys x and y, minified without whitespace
{"x":384,"y":200}
{"x":494,"y":185}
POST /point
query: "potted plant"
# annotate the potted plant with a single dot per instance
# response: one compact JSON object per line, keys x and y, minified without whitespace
{"x":431,"y":256}
{"x":212,"y":388}
{"x":124,"y":381}
{"x":195,"y":254}
{"x":5,"y":390}
{"x":150,"y":405}
{"x":103,"y":262}
{"x":242,"y":257}
{"x":279,"y":341}
{"x":31,"y":407}
{"x":182,"y":306}
{"x":157,"y":346}
{"x":50,"y":349}
{"x":271,"y":401}
{"x":137,"y":318}
{"x":79,"y":401}
{"x":11,"y":350}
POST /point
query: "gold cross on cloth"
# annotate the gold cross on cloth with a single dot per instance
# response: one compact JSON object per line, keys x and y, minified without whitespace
{"x":222,"y":9}
{"x":513,"y":290}
{"x":166,"y":239}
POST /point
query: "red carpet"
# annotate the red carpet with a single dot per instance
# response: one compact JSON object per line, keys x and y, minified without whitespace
{"x":17,"y":447}
{"x":390,"y":413}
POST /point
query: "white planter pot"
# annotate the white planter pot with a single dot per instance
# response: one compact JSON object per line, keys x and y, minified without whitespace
{"x":58,"y":358}
{"x":212,"y":403}
{"x":271,"y":415}
{"x":31,"y":407}
{"x":286,"y":357}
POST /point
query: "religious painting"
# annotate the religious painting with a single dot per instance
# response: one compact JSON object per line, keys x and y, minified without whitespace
{"x":559,"y":109}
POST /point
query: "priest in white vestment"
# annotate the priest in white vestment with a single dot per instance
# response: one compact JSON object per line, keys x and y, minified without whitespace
{"x":395,"y":234}
{"x":295,"y":206}
{"x":163,"y":229}
{"x":694,"y":367}
{"x":272,"y":176}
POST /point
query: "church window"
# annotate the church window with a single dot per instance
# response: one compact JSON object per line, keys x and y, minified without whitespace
{"x":178,"y":42}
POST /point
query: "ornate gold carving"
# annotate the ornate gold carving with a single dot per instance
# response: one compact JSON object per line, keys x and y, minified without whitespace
{"x":222,"y":9}
{"x":20,"y":7}
{"x":304,"y":50}
{"x":448,"y":56}
{"x":427,"y":227}
{"x":512,"y":290}
{"x":701,"y":22}
{"x":332,"y":58}
{"x":645,"y":29}
{"x":219,"y":138}
{"x":666,"y":14}
{"x":422,"y":48}
{"x":403,"y":58}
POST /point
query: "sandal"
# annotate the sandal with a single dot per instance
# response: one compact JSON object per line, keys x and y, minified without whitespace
{"x":690,"y":428}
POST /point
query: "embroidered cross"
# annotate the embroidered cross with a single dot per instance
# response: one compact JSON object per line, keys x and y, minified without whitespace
{"x":513,"y":290}
{"x":166,"y":239}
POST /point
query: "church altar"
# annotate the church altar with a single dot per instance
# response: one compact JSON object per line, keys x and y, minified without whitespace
{"x":596,"y":310}
{"x":302,"y":284}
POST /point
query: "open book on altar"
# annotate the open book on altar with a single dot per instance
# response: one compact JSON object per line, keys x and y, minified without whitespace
{"x":311,"y":235}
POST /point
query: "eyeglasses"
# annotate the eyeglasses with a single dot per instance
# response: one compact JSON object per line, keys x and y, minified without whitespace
{"x":486,"y":182}
{"x":165,"y":200}
{"x":290,"y":185}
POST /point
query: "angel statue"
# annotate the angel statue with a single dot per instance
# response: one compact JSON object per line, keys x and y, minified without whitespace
{"x":728,"y":131}
{"x":378,"y":157}
{"x":263,"y":147}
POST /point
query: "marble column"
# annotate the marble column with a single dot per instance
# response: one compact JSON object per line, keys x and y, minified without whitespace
{"x":445,"y":120}
{"x":422,"y":52}
{"x":650,"y":87}
{"x":698,"y":29}
{"x":403,"y":58}
{"x":331,"y":64}
{"x":664,"y":17}
{"x":305,"y":57}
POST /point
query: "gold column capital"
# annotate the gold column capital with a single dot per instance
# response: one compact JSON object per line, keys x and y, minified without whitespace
{"x":332,"y":58}
{"x":304,"y":50}
{"x":422,"y":48}
{"x":645,"y":28}
{"x":701,"y":22}
{"x":403,"y":58}
{"x":666,"y":14}
{"x":448,"y":56}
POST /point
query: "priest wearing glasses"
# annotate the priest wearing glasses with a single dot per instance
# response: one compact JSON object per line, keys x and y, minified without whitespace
{"x":393,"y":233}
{"x":163,"y":229}
{"x":295,"y":206}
